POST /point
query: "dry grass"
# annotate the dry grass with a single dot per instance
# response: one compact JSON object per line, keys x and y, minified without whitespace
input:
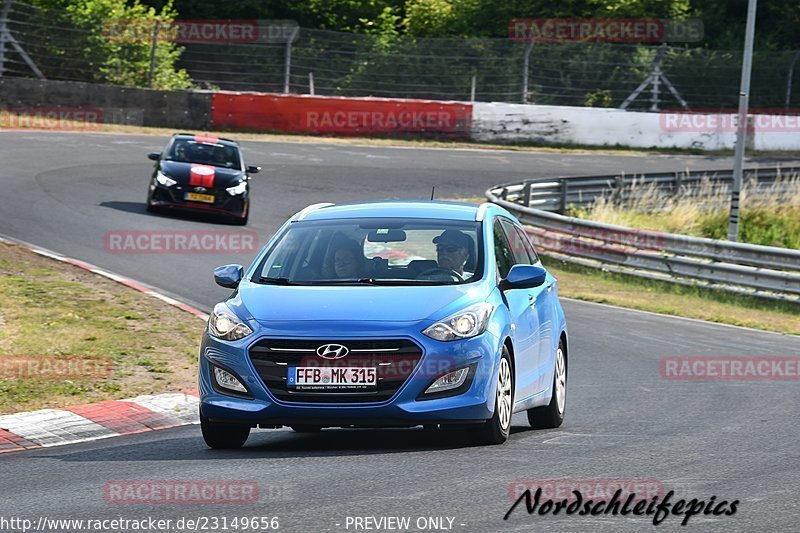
{"x":770,"y":215}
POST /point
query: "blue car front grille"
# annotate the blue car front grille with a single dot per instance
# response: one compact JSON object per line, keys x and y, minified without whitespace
{"x":394,"y":361}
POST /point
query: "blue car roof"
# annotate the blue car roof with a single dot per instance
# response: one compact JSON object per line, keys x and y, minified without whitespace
{"x":396,"y":209}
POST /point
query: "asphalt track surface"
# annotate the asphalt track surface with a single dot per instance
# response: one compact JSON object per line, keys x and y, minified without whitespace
{"x":736,"y":440}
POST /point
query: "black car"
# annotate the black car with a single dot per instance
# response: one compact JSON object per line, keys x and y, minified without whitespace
{"x":202,"y":174}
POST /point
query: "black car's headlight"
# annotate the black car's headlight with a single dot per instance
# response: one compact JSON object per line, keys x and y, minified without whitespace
{"x":164,"y":180}
{"x":469,"y":322}
{"x":237,"y":189}
{"x":224,"y":324}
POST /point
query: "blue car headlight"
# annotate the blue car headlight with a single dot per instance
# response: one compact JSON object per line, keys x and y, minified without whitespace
{"x":469,"y":322}
{"x":224,"y":324}
{"x":164,"y":180}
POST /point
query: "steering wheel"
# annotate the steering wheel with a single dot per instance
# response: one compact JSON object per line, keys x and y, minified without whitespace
{"x":440,"y":273}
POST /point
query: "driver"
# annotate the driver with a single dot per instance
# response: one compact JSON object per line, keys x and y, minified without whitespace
{"x":181,"y":153}
{"x":452,"y":250}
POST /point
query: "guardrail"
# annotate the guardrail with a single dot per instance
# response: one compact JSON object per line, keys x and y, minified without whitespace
{"x":765,"y":271}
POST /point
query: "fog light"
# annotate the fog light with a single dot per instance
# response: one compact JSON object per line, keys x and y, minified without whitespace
{"x":226,"y":380}
{"x":452,"y":380}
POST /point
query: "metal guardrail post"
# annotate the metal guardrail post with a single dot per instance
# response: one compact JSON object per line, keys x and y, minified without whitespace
{"x":564,"y":193}
{"x":287,"y":65}
{"x":526,"y":194}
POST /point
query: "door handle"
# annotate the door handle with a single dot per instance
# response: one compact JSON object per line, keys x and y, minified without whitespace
{"x":550,"y":287}
{"x":532,"y":299}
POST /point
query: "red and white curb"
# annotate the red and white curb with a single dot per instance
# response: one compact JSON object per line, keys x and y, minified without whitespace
{"x":81,"y":423}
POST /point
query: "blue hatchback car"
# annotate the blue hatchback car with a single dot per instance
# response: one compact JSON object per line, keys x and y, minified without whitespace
{"x":386,"y":314}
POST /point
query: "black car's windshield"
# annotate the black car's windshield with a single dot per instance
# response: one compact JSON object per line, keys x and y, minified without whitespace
{"x":374,"y":252}
{"x":204,"y":152}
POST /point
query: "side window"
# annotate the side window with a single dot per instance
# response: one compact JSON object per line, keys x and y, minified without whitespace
{"x":526,"y":242}
{"x":502,"y":251}
{"x":517,"y":243}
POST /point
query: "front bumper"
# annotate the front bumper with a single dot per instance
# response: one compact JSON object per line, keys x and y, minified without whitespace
{"x":406,"y":407}
{"x":174,"y":198}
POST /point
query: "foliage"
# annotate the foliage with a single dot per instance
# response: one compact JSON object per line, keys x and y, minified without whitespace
{"x":117,"y":59}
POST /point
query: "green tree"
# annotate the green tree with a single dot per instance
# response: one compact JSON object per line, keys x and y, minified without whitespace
{"x":106,"y":46}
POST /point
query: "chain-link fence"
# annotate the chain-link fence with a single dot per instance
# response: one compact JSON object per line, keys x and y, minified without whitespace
{"x":346,"y":64}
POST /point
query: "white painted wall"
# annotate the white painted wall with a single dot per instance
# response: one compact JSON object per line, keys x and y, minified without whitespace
{"x":595,"y":126}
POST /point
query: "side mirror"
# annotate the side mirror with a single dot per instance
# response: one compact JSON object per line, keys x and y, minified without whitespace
{"x":253,"y":169}
{"x":524,"y":277}
{"x":155,"y":156}
{"x":228,"y":276}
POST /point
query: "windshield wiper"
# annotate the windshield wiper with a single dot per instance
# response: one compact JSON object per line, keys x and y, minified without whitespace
{"x":372,"y":281}
{"x":277,"y":281}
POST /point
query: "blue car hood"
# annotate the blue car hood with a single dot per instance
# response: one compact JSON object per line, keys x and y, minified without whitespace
{"x":268,"y":303}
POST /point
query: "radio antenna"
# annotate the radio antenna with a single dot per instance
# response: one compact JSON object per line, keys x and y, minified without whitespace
{"x":433,"y":191}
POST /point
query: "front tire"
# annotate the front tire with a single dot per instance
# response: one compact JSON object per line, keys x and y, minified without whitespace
{"x":237,"y":221}
{"x":496,"y":429}
{"x":552,"y":415}
{"x":223,"y":436}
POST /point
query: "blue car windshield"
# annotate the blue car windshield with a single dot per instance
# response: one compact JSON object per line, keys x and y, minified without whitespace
{"x":374,"y":252}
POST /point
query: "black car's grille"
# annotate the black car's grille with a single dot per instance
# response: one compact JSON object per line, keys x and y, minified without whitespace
{"x":394,"y":361}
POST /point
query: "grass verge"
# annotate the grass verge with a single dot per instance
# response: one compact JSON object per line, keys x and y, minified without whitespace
{"x":584,"y":283}
{"x":68,"y":336}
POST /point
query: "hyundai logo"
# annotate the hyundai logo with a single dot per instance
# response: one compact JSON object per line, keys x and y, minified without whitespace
{"x":200,"y":189}
{"x":332,"y":351}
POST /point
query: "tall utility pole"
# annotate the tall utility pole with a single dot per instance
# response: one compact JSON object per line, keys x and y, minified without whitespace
{"x":741,"y":127}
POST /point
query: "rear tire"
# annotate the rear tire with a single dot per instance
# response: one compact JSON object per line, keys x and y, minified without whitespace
{"x":552,"y":415}
{"x":223,"y":436}
{"x":496,"y":429}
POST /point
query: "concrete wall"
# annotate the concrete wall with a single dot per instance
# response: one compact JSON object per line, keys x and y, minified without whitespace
{"x":204,"y":110}
{"x":116,"y":105}
{"x":610,"y":127}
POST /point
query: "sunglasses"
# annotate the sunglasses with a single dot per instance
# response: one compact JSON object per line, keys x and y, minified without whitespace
{"x":447,"y":248}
